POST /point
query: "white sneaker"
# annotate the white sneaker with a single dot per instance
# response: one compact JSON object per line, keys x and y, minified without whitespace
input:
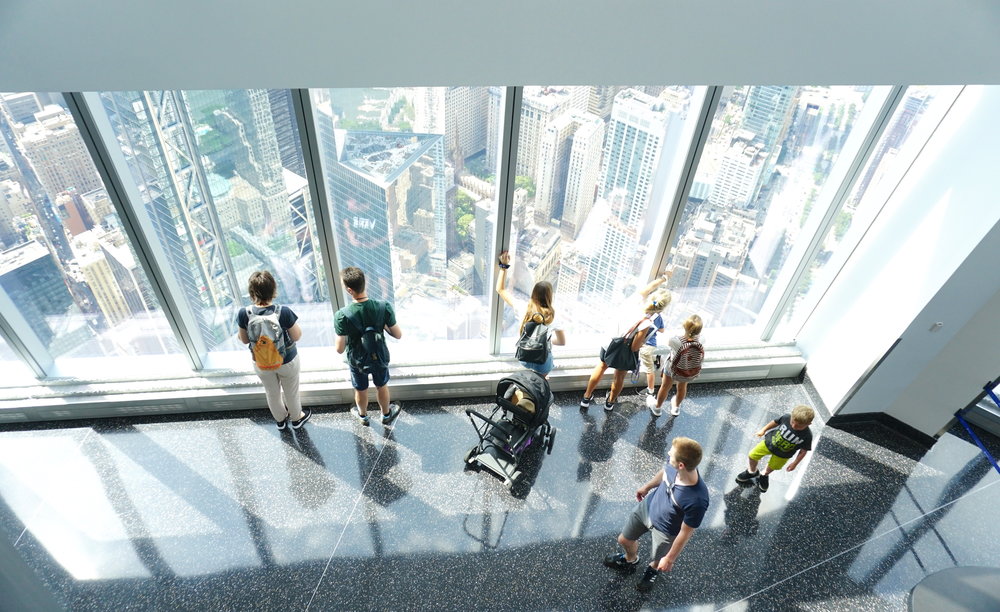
{"x":675,"y":410}
{"x":651,"y":404}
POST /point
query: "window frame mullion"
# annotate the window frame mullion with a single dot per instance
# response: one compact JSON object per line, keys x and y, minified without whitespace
{"x":506,"y":181}
{"x":699,"y":139}
{"x":881,"y":122}
{"x":95,"y":130}
{"x":305,"y":119}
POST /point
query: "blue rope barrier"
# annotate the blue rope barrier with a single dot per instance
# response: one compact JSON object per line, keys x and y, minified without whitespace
{"x":989,"y":389}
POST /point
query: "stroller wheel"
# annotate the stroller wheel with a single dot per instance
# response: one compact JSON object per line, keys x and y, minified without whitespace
{"x":469,"y":455}
{"x":551,"y":440}
{"x":514,"y":478}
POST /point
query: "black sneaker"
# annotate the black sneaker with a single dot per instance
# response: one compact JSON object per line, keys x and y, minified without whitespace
{"x":648,"y":580}
{"x":762,"y":482}
{"x":585,"y":402}
{"x":387,"y":419}
{"x":283,"y":424}
{"x":361,"y":417}
{"x":609,"y":405}
{"x":619,"y":562}
{"x":746,"y":476}
{"x":306,"y":413}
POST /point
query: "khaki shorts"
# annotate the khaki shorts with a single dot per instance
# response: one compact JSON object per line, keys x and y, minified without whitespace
{"x":646,"y":357}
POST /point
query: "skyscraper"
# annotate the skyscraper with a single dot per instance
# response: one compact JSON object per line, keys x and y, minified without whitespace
{"x":767,"y":113}
{"x":246,"y":145}
{"x":20,"y":106}
{"x":632,"y":166}
{"x":494,"y":120}
{"x":285,"y":131}
{"x":568,"y":168}
{"x":739,"y":172}
{"x":371,"y":177}
{"x":582,"y":174}
{"x":458,"y":113}
{"x":55,"y":150}
{"x":634,"y":178}
{"x":553,"y":162}
{"x":29,"y":273}
{"x":539,"y":106}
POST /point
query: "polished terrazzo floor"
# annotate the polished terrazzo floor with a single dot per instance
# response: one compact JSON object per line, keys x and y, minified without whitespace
{"x":224,"y":512}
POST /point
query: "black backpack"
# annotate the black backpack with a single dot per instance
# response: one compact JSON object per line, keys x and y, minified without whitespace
{"x":373,"y":351}
{"x":533,"y":345}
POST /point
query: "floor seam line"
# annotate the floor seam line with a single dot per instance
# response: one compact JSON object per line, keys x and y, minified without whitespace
{"x":347,"y":523}
{"x":844,"y":552}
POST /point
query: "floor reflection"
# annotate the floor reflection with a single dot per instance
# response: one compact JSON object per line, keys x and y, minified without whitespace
{"x":228,"y":512}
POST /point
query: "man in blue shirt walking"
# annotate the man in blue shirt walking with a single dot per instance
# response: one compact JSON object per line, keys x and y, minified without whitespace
{"x":671,"y":506}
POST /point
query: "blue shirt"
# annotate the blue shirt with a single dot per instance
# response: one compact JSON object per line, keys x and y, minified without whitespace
{"x":657,"y":326}
{"x":690,"y":507}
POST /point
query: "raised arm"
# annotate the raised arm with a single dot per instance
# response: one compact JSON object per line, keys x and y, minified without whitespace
{"x":505,"y":294}
{"x":655,"y":283}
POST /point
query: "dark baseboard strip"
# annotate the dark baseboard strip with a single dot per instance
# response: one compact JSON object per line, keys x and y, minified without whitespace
{"x":846,"y":421}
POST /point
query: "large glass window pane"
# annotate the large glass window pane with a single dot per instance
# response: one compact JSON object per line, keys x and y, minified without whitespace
{"x":223,"y":186}
{"x":766,"y":160}
{"x":13,"y":371}
{"x":66,"y":263}
{"x":918,"y":114}
{"x":597,"y":168}
{"x":409,"y":174}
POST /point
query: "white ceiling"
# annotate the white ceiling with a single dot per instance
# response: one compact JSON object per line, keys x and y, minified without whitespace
{"x":74,"y":45}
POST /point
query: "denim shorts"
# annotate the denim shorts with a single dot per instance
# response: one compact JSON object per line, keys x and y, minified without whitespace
{"x":541,"y":368}
{"x":359,"y":378}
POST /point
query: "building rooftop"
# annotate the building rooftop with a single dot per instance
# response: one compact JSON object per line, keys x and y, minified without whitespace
{"x":21,"y":255}
{"x":382,"y":156}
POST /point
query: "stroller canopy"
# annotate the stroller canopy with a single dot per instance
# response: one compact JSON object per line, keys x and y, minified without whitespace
{"x":526,"y":395}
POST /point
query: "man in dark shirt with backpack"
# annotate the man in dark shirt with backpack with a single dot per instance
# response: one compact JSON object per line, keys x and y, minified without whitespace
{"x":361,"y":328}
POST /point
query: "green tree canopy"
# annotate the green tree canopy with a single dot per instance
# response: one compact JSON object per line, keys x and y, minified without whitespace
{"x":526,"y":183}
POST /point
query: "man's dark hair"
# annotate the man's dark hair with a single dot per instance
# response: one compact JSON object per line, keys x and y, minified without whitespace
{"x":353,"y":278}
{"x":261,"y":287}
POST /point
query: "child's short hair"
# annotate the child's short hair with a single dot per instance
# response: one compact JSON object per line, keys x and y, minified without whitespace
{"x":261,"y":287}
{"x":692,"y":326}
{"x":658,"y":301}
{"x":353,"y":278}
{"x":687,"y":451}
{"x":803,"y":415}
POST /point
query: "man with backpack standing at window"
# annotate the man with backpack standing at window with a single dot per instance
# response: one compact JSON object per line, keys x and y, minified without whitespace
{"x":271,"y":331}
{"x":361,"y":327}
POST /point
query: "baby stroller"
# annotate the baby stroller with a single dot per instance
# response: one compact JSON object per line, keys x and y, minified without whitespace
{"x":519,"y":420}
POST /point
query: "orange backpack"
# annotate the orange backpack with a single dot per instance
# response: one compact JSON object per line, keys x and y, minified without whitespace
{"x":267,"y":339}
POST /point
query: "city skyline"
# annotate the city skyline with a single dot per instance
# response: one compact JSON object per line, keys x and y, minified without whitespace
{"x":220,"y":177}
